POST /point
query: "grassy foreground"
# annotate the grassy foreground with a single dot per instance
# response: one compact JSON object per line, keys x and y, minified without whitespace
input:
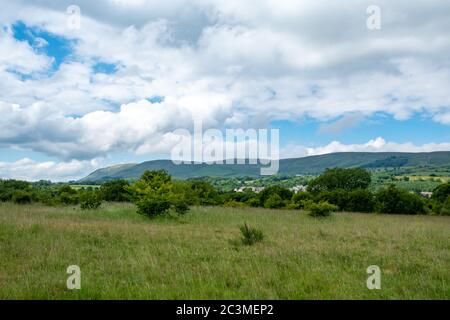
{"x":123,"y":255}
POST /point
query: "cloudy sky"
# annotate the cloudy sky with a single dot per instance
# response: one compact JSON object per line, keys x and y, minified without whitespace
{"x":117,"y":88}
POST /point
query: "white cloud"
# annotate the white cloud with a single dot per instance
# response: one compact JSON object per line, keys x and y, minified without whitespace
{"x":231,"y":63}
{"x":27,"y":169}
{"x":375,"y":145}
{"x":19,"y":56}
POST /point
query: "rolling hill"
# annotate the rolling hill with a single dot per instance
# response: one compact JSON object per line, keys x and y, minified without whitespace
{"x":294,"y":166}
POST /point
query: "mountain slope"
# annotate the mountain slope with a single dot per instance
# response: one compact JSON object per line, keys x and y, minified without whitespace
{"x":306,"y":165}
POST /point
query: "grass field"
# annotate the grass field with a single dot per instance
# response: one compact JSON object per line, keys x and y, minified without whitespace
{"x":123,"y":255}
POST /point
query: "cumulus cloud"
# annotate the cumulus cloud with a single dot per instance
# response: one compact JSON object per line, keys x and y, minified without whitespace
{"x":230,"y":63}
{"x":375,"y":145}
{"x":27,"y":169}
{"x":19,"y":56}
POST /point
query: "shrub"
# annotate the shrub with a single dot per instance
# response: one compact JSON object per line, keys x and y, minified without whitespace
{"x":153,"y":206}
{"x":66,"y":189}
{"x":321,"y":209}
{"x":360,"y":200}
{"x":250,"y":235}
{"x":21,"y":197}
{"x":445,"y":209}
{"x":283,"y":193}
{"x":393,"y":200}
{"x":67,"y":198}
{"x":338,"y":197}
{"x":46,"y":197}
{"x":299,"y":199}
{"x":274,"y":202}
{"x":253,"y":202}
{"x":90,"y":201}
{"x":203,"y":193}
{"x":67,"y":195}
{"x":9,"y":187}
{"x":441,"y":192}
{"x":5,"y":194}
{"x":115,"y":190}
{"x":180,"y":207}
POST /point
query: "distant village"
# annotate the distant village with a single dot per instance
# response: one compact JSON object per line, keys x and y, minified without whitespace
{"x":303,"y":188}
{"x":295,"y":189}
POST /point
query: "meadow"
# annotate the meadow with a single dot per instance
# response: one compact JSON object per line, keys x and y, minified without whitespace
{"x":123,"y":255}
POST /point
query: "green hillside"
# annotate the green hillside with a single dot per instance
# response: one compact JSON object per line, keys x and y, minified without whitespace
{"x":306,"y":165}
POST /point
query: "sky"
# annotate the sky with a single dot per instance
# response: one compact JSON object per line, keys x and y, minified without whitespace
{"x":115,"y":83}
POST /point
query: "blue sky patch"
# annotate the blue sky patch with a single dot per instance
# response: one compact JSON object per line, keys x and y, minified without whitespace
{"x":419,"y":129}
{"x":43,"y":42}
{"x":103,"y":67}
{"x":156,"y":99}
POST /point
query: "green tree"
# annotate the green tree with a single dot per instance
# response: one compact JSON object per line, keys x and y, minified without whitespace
{"x":441,"y":192}
{"x":338,"y":178}
{"x":283,"y":193}
{"x":203,"y":193}
{"x":360,"y":200}
{"x":9,"y":187}
{"x":393,"y":200}
{"x":151,"y":193}
{"x":115,"y":190}
{"x":155,"y":193}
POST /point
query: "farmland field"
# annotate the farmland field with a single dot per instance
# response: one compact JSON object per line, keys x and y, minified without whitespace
{"x":123,"y":255}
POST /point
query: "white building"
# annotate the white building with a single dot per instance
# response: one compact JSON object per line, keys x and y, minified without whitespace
{"x":426,"y":194}
{"x":300,"y":188}
{"x":254,"y":189}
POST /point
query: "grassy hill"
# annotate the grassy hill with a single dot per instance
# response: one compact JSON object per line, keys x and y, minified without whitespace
{"x":306,"y":165}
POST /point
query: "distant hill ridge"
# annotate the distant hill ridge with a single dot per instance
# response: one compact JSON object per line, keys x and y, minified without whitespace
{"x":294,"y":166}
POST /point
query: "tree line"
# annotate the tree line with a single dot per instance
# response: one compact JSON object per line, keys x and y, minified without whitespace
{"x":156,"y":193}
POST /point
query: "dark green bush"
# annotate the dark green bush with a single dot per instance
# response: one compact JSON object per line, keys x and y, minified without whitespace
{"x":337,"y":197}
{"x":250,"y":235}
{"x":445,"y":208}
{"x":321,"y":209}
{"x":393,"y":200}
{"x":180,"y":206}
{"x":253,"y":202}
{"x":299,"y":199}
{"x":203,"y":193}
{"x":90,"y":200}
{"x":67,"y":198}
{"x":115,"y":190}
{"x":153,"y":206}
{"x":283,"y":193}
{"x":360,"y":200}
{"x":9,"y":187}
{"x":21,"y":197}
{"x":441,"y":192}
{"x":274,"y":202}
